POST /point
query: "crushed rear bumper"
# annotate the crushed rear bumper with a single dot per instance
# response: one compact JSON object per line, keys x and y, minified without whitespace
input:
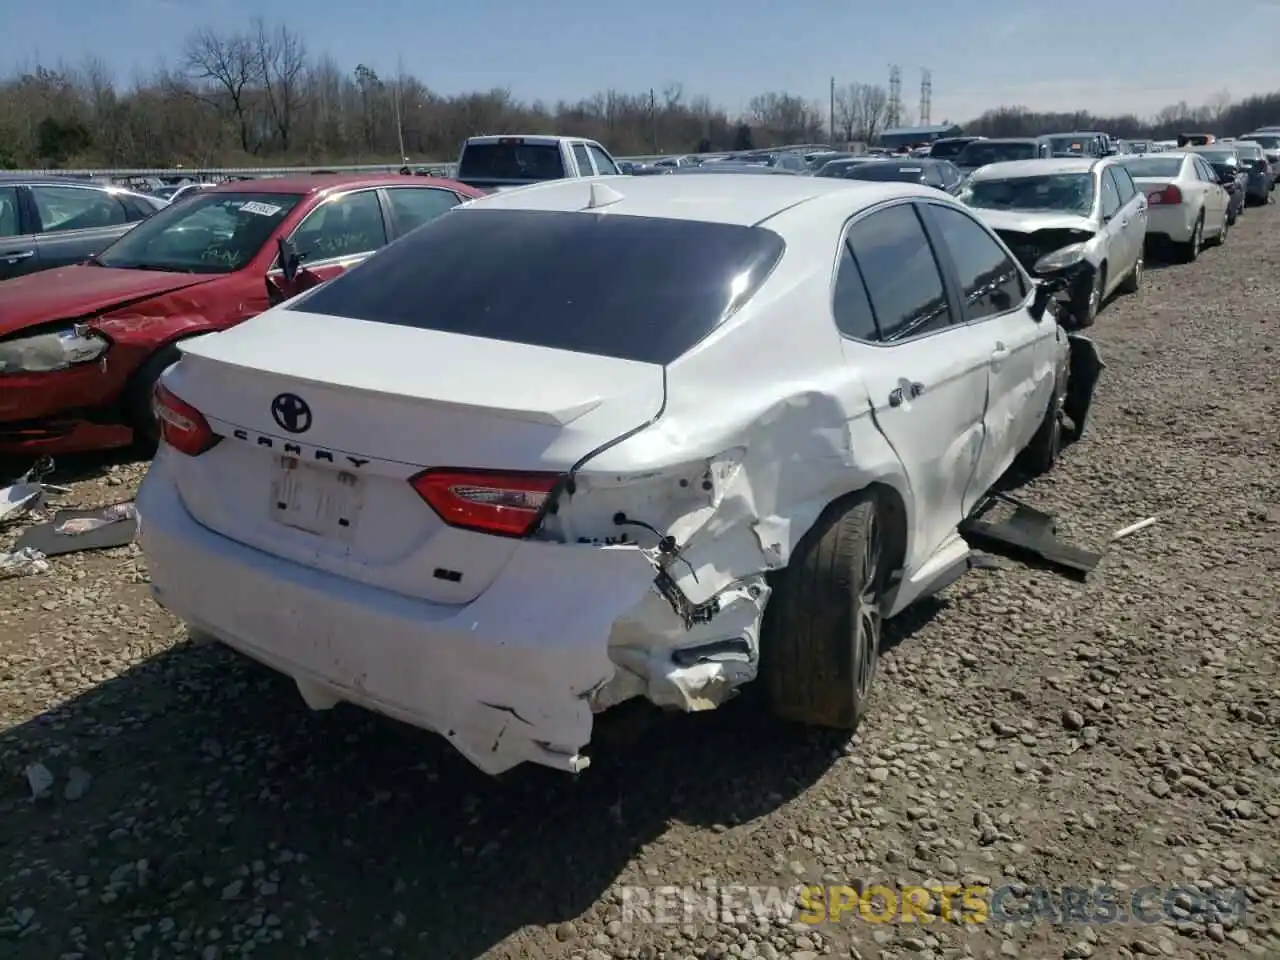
{"x":507,"y":678}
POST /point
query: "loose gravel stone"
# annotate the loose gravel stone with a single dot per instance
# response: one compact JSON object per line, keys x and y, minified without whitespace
{"x":1027,"y":731}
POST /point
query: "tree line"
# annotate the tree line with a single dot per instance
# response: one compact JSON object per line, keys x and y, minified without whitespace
{"x":258,"y":96}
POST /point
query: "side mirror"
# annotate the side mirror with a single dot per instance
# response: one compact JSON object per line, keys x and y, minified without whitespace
{"x":290,"y":259}
{"x":1045,"y":291}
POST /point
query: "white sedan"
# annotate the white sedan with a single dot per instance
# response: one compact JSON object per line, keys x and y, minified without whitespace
{"x":1186,"y":205}
{"x":525,"y":463}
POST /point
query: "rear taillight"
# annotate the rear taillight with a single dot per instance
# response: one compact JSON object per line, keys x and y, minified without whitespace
{"x":182,"y":426}
{"x":500,"y":502}
{"x":1169,"y":195}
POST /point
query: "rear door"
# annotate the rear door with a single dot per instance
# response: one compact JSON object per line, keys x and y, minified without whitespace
{"x":1133,"y":213}
{"x":1112,"y":229}
{"x":19,"y":252}
{"x":1019,"y":350}
{"x":927,"y":384}
{"x":76,"y":222}
{"x":338,"y":233}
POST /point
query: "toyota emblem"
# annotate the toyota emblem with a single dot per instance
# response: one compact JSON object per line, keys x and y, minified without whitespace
{"x":291,"y":412}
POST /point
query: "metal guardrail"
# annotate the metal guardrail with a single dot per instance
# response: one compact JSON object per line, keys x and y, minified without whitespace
{"x":443,"y":169}
{"x":198,"y":172}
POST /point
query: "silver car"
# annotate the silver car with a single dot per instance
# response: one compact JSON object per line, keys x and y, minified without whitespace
{"x":1081,"y":220}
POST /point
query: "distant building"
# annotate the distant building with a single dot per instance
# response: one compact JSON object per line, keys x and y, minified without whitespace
{"x":907,"y":136}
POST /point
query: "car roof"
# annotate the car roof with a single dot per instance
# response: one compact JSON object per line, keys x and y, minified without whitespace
{"x":1013,"y":169}
{"x":53,"y":180}
{"x":999,"y":140}
{"x":726,"y":198}
{"x":306,"y":184}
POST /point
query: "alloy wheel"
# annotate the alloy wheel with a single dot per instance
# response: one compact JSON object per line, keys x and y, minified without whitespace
{"x":867,"y":614}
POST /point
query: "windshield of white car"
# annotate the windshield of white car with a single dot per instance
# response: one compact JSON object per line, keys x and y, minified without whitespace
{"x":205,"y":233}
{"x":511,"y":161}
{"x":503,"y":275}
{"x":1153,"y":166}
{"x":1053,"y":192}
{"x":981,"y":152}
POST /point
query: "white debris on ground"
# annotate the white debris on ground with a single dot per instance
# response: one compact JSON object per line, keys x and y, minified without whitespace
{"x":1027,"y":731}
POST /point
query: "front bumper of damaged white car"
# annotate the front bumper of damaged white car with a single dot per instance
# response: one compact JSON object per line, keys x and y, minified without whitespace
{"x":516,"y":675}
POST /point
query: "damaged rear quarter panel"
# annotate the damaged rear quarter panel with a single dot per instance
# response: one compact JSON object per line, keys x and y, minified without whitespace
{"x":754,"y":443}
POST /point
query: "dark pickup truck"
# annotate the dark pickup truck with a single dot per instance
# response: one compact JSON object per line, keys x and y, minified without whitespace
{"x":500,"y":162}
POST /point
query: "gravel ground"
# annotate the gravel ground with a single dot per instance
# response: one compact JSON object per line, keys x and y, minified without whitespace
{"x":1028,"y":731}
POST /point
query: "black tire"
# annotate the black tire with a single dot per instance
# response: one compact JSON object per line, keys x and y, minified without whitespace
{"x":1221,"y":238}
{"x":1133,"y":282}
{"x":820,"y":645}
{"x":1087,"y":300}
{"x":137,"y":400}
{"x":1041,"y":455}
{"x":1190,"y":251}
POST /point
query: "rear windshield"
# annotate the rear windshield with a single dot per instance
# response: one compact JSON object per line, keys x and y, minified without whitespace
{"x":948,"y":149}
{"x":1218,"y":156}
{"x":511,"y":161}
{"x":1153,"y":166}
{"x":1267,"y":140}
{"x":907,"y":173}
{"x":980,"y":153}
{"x":603,"y":284}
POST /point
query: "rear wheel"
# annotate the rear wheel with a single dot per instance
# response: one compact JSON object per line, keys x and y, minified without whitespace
{"x":820,"y":646}
{"x":1133,"y":282}
{"x":1191,"y":249}
{"x":1221,"y":237}
{"x":138,"y":410}
{"x":1041,"y":455}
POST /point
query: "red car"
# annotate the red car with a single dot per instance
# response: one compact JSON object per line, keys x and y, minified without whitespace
{"x":81,"y":347}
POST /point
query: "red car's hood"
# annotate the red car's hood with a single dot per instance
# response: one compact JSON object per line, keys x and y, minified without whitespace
{"x":80,"y":291}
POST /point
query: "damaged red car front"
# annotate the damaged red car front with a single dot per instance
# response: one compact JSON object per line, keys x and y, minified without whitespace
{"x":82,"y":347}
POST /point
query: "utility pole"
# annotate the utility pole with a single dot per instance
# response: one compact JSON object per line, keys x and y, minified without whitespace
{"x":894,"y":112}
{"x":395,"y":99}
{"x":832,"y":116}
{"x":926,"y":96}
{"x":653,"y":118}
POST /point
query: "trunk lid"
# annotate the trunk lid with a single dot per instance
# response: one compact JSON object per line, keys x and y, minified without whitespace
{"x":82,"y":291}
{"x":386,"y":402}
{"x":1149,"y":185}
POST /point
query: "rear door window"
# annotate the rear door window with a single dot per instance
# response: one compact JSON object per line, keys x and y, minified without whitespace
{"x":503,"y":275}
{"x":76,"y":208}
{"x":902,"y":276}
{"x":9,"y":223}
{"x":411,"y":207}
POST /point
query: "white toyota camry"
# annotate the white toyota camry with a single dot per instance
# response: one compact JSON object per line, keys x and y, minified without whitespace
{"x":588,"y":441}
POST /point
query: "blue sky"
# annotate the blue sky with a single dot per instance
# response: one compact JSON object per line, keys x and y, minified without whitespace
{"x":1105,"y":56}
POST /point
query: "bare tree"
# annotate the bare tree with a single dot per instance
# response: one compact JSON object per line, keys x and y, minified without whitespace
{"x":230,"y":66}
{"x":861,"y":111}
{"x":281,"y":63}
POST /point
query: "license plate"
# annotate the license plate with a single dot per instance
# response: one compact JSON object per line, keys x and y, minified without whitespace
{"x":323,"y":502}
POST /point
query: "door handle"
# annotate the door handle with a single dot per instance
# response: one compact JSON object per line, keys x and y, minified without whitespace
{"x":1000,"y":352}
{"x":15,"y":256}
{"x":917,"y":389}
{"x":895,"y":397}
